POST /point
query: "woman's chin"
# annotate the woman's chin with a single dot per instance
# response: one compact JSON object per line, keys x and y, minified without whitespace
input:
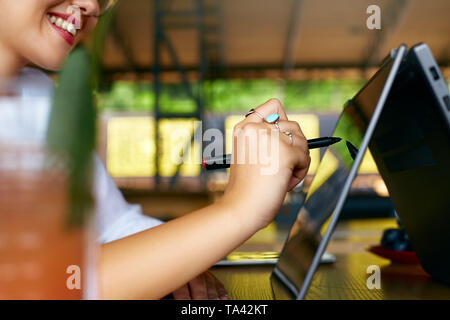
{"x":51,"y":68}
{"x":50,"y":64}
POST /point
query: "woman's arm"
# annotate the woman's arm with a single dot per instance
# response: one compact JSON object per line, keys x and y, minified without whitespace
{"x":155,"y":262}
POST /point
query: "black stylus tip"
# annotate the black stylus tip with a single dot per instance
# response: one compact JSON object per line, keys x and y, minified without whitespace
{"x":335,"y":139}
{"x":352,"y":149}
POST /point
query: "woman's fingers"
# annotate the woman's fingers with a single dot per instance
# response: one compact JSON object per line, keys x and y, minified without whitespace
{"x":197,"y":288}
{"x":219,"y":288}
{"x":216,"y":291}
{"x":297,"y":177}
{"x":301,"y":161}
{"x":203,"y":287}
{"x":267,"y":108}
{"x":211,"y":286}
{"x":182,"y":293}
{"x":298,"y":138}
{"x":292,"y":126}
{"x":300,"y":152}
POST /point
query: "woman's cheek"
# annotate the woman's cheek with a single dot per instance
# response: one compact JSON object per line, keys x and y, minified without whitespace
{"x":90,"y":25}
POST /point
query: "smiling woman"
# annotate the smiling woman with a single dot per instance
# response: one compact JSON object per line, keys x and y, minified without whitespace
{"x":35,"y":38}
{"x":43,"y":32}
{"x":139,"y":256}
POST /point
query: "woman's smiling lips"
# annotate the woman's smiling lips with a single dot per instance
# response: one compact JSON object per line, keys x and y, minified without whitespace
{"x":64,"y":25}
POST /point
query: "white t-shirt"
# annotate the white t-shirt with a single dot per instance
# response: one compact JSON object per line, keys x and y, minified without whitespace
{"x":114,"y":216}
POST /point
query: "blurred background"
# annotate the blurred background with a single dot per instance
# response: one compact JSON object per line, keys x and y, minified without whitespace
{"x":167,"y":63}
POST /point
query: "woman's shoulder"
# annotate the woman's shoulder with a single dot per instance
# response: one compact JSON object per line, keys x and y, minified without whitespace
{"x":34,"y":82}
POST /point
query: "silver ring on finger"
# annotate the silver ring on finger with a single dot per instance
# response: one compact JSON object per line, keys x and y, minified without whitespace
{"x":255,"y":112}
{"x":277,"y":125}
{"x":289,"y":134}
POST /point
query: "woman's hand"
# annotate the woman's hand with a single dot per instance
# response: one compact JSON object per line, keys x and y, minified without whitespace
{"x":182,"y":248}
{"x":203,"y":287}
{"x":265,"y":165}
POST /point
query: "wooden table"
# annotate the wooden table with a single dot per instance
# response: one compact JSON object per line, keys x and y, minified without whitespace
{"x":345,"y":279}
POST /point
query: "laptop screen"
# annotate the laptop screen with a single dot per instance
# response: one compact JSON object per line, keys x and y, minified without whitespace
{"x":327,"y":187}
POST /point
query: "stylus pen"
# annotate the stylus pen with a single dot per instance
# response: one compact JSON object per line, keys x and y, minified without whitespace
{"x":222,"y":162}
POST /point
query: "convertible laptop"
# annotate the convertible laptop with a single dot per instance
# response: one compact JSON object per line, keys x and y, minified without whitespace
{"x":411,"y":147}
{"x":327,"y":193}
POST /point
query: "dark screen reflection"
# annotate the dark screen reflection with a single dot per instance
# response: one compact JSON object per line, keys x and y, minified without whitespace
{"x":327,"y":185}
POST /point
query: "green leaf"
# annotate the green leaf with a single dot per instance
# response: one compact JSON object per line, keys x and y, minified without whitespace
{"x":71,"y":132}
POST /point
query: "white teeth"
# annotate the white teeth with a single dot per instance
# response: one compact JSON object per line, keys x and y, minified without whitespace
{"x":71,"y":29}
{"x":63,"y":24}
